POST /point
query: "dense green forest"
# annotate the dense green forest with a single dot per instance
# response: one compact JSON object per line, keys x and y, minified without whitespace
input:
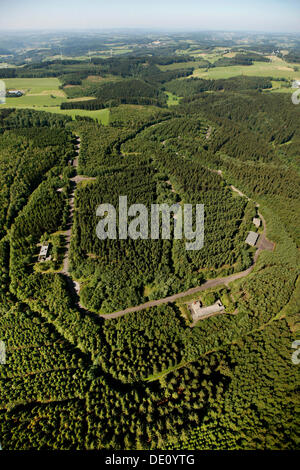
{"x":74,"y":379}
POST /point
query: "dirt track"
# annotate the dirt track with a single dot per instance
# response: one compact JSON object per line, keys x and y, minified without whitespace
{"x":68,"y":233}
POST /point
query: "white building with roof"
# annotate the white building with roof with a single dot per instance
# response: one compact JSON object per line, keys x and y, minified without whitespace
{"x":44,"y":252}
{"x":200,"y":312}
{"x":256,"y":221}
{"x":14,"y":93}
{"x":251,"y":238}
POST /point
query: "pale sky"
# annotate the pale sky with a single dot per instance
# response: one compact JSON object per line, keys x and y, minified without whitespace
{"x":250,"y":15}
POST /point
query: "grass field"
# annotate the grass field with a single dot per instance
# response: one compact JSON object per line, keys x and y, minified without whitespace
{"x":35,"y":86}
{"x":43,"y":94}
{"x":37,"y":92}
{"x":211,"y":57}
{"x":278,"y":68}
{"x":172,"y":100}
{"x":280,"y":87}
{"x":282,"y":90}
{"x":32,"y":100}
{"x":101,"y":115}
{"x":180,"y":65}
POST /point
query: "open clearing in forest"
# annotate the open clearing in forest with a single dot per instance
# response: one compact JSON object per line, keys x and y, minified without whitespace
{"x":172,"y":100}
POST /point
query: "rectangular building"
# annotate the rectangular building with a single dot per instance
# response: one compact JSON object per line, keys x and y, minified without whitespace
{"x":43,"y":252}
{"x":256,"y":221}
{"x":201,"y":312}
{"x":251,"y":238}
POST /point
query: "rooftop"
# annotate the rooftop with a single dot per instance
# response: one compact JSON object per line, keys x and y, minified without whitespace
{"x":251,"y":238}
{"x":256,"y":221}
{"x":198,"y":311}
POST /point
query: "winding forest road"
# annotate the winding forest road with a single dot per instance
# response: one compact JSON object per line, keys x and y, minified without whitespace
{"x":263,"y":244}
{"x":68,"y":232}
{"x":73,"y":285}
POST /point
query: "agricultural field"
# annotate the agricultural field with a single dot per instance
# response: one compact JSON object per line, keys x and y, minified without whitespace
{"x":35,"y":86}
{"x":277,"y":68}
{"x":44,"y":94}
{"x":39,"y":92}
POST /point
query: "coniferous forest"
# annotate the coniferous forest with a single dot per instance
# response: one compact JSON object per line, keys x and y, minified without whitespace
{"x":80,"y":374}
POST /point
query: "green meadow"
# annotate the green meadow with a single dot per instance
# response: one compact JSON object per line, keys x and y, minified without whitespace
{"x":44,"y":94}
{"x":101,"y":115}
{"x":32,"y":101}
{"x":37,"y":92}
{"x":172,"y":100}
{"x":181,"y":65}
{"x":35,"y":86}
{"x":278,"y":68}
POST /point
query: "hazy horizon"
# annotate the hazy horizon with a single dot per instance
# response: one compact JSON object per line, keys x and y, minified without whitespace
{"x":271,"y":16}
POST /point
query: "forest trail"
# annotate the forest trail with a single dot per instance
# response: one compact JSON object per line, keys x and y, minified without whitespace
{"x":208,"y":133}
{"x":68,"y":233}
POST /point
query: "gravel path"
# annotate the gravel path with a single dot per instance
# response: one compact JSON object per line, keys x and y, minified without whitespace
{"x":68,"y":233}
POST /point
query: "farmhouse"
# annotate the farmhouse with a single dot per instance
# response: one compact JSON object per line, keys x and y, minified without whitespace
{"x":256,"y":221}
{"x":44,"y":252}
{"x":251,"y":238}
{"x":200,"y":312}
{"x":14,"y":93}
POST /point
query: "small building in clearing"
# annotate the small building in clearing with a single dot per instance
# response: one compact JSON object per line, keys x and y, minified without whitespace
{"x":14,"y":93}
{"x":256,"y":221}
{"x":251,"y":238}
{"x":44,"y":252}
{"x":200,"y":312}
